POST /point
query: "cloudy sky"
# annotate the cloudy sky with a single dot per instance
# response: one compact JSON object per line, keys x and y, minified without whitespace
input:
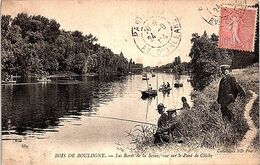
{"x":111,"y":21}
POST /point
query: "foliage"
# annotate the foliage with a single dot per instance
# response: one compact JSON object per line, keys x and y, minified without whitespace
{"x":136,"y":68}
{"x":206,"y":59}
{"x":176,"y":66}
{"x":141,"y":136}
{"x":205,"y":124}
{"x":33,"y":45}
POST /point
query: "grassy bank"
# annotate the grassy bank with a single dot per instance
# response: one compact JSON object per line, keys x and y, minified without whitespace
{"x":203,"y":122}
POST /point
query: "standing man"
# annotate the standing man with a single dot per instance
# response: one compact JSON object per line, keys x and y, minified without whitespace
{"x":228,"y":91}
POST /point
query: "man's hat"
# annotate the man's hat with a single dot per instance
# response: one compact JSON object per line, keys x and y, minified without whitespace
{"x":224,"y":67}
{"x":160,"y":106}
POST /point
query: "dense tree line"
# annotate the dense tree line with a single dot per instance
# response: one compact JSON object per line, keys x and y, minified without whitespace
{"x":176,"y":66}
{"x":35,"y":45}
{"x":135,"y":68}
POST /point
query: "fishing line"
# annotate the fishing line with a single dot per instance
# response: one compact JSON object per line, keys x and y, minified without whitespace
{"x":128,"y":120}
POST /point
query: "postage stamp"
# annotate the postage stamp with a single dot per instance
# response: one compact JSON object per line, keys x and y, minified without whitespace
{"x":237,"y":29}
{"x":157,"y":35}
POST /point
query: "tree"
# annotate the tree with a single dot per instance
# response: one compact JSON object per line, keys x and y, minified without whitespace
{"x":51,"y":31}
{"x":33,"y":45}
{"x":5,"y":24}
{"x":206,"y":59}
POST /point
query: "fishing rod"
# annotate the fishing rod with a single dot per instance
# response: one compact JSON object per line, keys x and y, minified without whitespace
{"x":146,"y":114}
{"x":127,"y":120}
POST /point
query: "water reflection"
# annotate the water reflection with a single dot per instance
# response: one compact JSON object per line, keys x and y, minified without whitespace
{"x":36,"y":108}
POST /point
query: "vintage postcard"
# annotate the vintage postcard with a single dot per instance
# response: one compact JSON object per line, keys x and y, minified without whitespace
{"x":130,"y":82}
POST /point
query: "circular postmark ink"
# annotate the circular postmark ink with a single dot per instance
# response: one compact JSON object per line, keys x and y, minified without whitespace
{"x":210,"y":9}
{"x":157,"y":35}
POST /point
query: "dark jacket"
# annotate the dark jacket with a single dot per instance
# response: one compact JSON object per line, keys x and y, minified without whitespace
{"x":163,"y":123}
{"x":163,"y":119}
{"x":228,"y":90}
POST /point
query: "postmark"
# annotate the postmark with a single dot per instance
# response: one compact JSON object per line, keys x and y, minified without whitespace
{"x":237,"y":29}
{"x":157,"y":35}
{"x":210,"y":9}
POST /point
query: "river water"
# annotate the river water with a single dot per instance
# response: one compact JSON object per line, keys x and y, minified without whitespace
{"x":71,"y":110}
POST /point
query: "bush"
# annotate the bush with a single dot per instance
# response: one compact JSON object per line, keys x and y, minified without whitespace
{"x":205,"y":124}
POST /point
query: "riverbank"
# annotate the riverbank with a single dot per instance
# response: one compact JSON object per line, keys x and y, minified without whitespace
{"x":250,"y":80}
{"x":203,"y":122}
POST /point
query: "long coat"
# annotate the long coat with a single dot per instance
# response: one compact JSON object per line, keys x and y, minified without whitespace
{"x":227,"y":86}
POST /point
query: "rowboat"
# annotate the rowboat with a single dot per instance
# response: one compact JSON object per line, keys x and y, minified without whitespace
{"x":165,"y":89}
{"x":43,"y":79}
{"x":144,"y":77}
{"x":147,"y":93}
{"x":9,"y":81}
{"x":177,"y":85}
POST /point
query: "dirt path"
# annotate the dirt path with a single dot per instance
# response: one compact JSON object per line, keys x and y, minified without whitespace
{"x":251,"y":133}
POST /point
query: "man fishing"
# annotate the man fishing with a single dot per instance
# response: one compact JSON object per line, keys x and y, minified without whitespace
{"x":185,"y":104}
{"x":228,"y":92}
{"x":168,"y":126}
{"x":162,"y":132}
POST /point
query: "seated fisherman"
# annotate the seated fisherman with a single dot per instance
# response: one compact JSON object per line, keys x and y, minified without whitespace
{"x":176,"y":129}
{"x":150,"y":87}
{"x":162,"y":132}
{"x":185,"y":105}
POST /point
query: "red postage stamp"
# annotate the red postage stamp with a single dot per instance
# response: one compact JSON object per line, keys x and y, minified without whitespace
{"x":237,"y":29}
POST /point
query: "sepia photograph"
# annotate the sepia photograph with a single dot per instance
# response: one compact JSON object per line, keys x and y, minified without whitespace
{"x":130,"y":82}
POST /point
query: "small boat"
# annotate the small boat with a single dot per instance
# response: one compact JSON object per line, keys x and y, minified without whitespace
{"x":178,"y":84}
{"x":144,"y":77}
{"x":146,"y":93}
{"x":43,"y":79}
{"x":9,"y":81}
{"x":165,"y":89}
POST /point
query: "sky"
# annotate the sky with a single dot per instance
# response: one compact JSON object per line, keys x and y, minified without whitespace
{"x":111,"y":21}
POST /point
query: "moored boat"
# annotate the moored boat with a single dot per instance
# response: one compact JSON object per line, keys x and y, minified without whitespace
{"x":9,"y":81}
{"x":149,"y":93}
{"x":164,"y":89}
{"x":178,"y":84}
{"x":43,"y":79}
{"x":145,"y":77}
